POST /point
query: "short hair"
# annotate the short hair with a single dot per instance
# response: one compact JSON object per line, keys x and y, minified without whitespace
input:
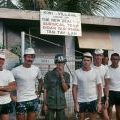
{"x":87,"y":57}
{"x":114,"y":54}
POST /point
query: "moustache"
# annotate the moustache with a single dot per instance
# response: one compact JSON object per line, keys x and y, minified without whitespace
{"x":30,"y":60}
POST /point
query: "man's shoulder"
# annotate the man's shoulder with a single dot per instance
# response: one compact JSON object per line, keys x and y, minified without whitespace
{"x":50,"y":72}
{"x":17,"y":68}
{"x":112,"y":68}
{"x":34,"y":67}
{"x":6,"y":71}
{"x":101,"y":67}
{"x":78,"y":70}
{"x":95,"y":69}
{"x":104,"y":66}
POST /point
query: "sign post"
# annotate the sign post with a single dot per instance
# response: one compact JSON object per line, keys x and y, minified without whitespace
{"x":60,"y":23}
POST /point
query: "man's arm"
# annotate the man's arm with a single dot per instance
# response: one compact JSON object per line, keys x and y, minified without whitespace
{"x":13,"y":95}
{"x":3,"y":93}
{"x":8,"y":88}
{"x":46,"y":92}
{"x":45,"y":101}
{"x":107,"y":80}
{"x":74,"y":93}
{"x":99,"y":93}
{"x":107,"y":88}
{"x":40,"y":86}
{"x":106,"y":92}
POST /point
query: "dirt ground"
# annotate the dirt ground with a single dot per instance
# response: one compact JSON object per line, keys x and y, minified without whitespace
{"x":72,"y":117}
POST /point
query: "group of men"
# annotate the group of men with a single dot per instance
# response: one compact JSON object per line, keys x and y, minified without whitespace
{"x":22,"y":79}
{"x":95,"y":87}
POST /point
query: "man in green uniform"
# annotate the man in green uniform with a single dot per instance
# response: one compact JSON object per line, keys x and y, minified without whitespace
{"x":56,"y":82}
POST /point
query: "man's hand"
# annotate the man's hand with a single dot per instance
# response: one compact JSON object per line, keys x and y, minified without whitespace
{"x":14,"y":98}
{"x":45,"y":108}
{"x":106,"y":104}
{"x":76,"y":107}
{"x":99,"y":107}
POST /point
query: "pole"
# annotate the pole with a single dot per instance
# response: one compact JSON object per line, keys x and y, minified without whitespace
{"x":22,"y":44}
{"x":30,"y":38}
{"x":69,"y":70}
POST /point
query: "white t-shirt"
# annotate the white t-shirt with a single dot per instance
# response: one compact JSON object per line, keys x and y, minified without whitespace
{"x":5,"y":78}
{"x":103,"y":72}
{"x":114,"y":79}
{"x":87,"y":84}
{"x":25,"y":80}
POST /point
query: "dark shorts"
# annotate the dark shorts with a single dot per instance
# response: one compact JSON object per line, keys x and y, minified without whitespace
{"x":27,"y":106}
{"x":88,"y":106}
{"x":114,"y":98}
{"x":6,"y":108}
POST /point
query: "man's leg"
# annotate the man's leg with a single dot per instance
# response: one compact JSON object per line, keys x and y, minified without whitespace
{"x":5,"y":110}
{"x":117,"y":112}
{"x":110,"y":112}
{"x":93,"y":116}
{"x":105,"y":114}
{"x":92,"y":109}
{"x":20,"y":116}
{"x":112,"y":101}
{"x":105,"y":104}
{"x":81,"y":116}
{"x":50,"y":114}
{"x":32,"y":108}
{"x":5,"y":117}
{"x":82,"y":109}
{"x":20,"y":110}
{"x":60,"y":115}
{"x":31,"y":116}
{"x":117,"y":105}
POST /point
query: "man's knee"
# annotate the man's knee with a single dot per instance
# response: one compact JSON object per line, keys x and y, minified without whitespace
{"x":21,"y":116}
{"x":118,"y":112}
{"x":81,"y":116}
{"x":93,"y":116}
